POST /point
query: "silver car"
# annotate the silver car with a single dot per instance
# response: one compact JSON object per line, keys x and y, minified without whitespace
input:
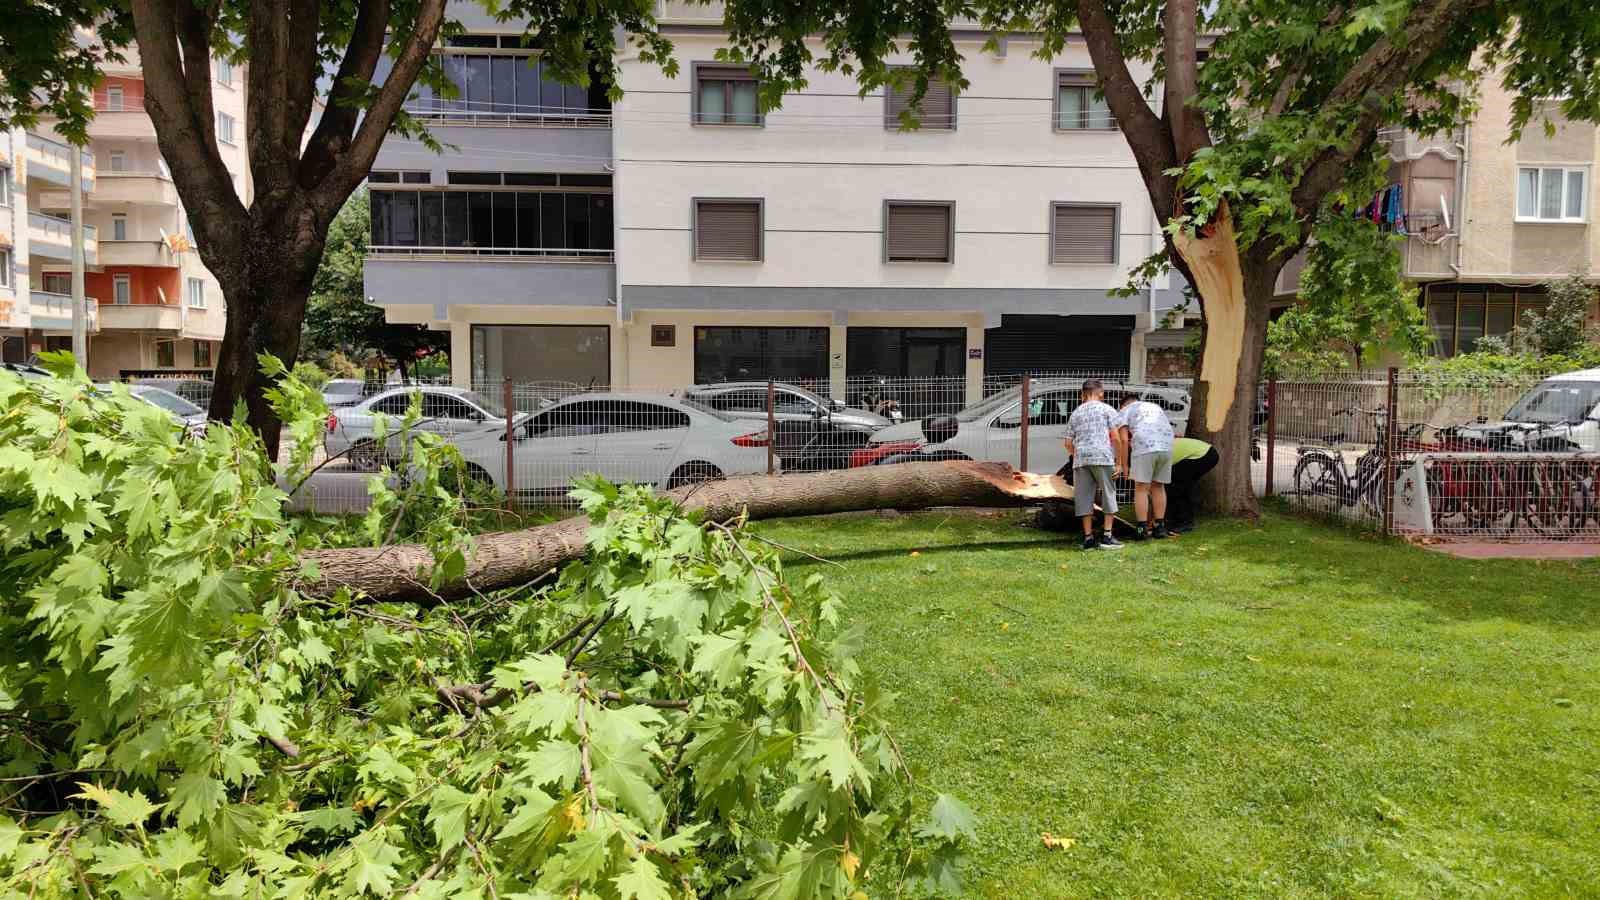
{"x":791,"y":403}
{"x":446,"y":411}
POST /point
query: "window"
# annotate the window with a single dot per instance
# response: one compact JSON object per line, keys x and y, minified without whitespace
{"x":907,"y":352}
{"x":202,"y":354}
{"x":757,"y":354}
{"x":938,"y":110}
{"x":122,"y":289}
{"x":224,"y":128}
{"x":1078,"y":108}
{"x":114,"y":98}
{"x":392,"y":405}
{"x":517,"y":223}
{"x":166,"y":355}
{"x":444,"y":406}
{"x":918,"y":232}
{"x":119,"y":161}
{"x":1552,"y":194}
{"x":119,"y":226}
{"x":5,"y":267}
{"x":727,"y":229}
{"x":57,"y":283}
{"x":629,"y":415}
{"x":578,"y":354}
{"x":5,"y":186}
{"x":224,"y":72}
{"x":1459,"y":315}
{"x":725,"y":95}
{"x":197,"y":293}
{"x":1083,"y":235}
{"x":505,"y":87}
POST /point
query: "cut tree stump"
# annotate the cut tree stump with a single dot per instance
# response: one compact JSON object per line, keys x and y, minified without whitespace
{"x":508,"y":559}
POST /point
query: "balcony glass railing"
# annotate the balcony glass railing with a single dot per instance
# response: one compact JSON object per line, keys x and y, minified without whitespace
{"x":58,"y":150}
{"x":52,"y":306}
{"x":561,"y":254}
{"x":59,"y":228}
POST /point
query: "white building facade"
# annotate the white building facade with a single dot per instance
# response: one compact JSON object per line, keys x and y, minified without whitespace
{"x":683,"y":238}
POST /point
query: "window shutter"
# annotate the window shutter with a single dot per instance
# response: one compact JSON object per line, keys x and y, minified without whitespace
{"x":918,"y":232}
{"x":938,"y":106}
{"x":1084,"y":234}
{"x":726,"y":229}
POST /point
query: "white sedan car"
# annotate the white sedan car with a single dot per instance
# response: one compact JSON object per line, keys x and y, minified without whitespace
{"x":627,"y":438}
{"x":992,"y":428}
{"x":446,"y":411}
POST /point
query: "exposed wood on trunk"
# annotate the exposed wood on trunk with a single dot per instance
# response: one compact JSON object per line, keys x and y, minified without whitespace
{"x":512,"y":558}
{"x":1213,"y":259}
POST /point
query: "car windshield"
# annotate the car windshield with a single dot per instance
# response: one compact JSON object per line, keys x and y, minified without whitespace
{"x":484,"y":403}
{"x":1557,"y":403}
{"x":168,"y":401}
{"x":342,"y":388}
{"x":699,"y":407}
{"x":988,"y":405}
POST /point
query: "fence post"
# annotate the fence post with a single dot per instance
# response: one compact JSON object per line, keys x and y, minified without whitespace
{"x":1272,"y":428}
{"x":1027,"y":385}
{"x":509,"y":402}
{"x":772,"y":430}
{"x":1392,"y":418}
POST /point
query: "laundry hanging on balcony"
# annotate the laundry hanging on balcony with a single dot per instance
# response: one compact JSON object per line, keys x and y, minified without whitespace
{"x":1387,"y":209}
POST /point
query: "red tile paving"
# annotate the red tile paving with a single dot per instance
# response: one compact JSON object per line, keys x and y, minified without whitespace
{"x":1544,"y":550}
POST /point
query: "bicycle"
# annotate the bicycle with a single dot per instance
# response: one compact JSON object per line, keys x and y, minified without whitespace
{"x":1323,"y":472}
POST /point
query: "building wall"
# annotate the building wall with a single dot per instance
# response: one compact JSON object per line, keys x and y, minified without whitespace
{"x":146,"y":284}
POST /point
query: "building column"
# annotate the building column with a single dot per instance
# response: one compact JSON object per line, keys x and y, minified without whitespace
{"x":461,"y":354}
{"x":975,"y":364}
{"x":838,"y":341}
{"x":621,"y":333}
{"x":1137,"y":356}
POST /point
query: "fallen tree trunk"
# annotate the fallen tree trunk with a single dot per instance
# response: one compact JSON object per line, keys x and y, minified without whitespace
{"x":511,"y":558}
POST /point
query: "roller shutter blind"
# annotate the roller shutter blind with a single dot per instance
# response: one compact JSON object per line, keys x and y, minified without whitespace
{"x":918,"y":232}
{"x":938,"y":112}
{"x":727,"y":229}
{"x":1084,"y":234}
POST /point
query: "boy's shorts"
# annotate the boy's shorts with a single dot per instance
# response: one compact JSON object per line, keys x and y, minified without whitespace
{"x":1084,"y":481}
{"x":1152,"y":467}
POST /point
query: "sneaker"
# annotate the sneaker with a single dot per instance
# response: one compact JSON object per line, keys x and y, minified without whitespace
{"x":1108,"y":541}
{"x":1160,"y":531}
{"x":1089,"y":543}
{"x":1140,"y":534}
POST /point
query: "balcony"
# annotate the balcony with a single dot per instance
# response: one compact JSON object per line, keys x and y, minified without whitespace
{"x":53,"y":312}
{"x":141,"y":317}
{"x":147,"y":188}
{"x":1404,"y":144}
{"x":51,"y":237}
{"x":125,"y":124}
{"x":135,"y":253}
{"x":50,"y":160}
{"x":480,"y":275}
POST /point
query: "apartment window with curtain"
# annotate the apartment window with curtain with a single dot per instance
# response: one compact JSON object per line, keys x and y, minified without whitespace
{"x":121,"y":289}
{"x":725,"y":95}
{"x":202,"y":354}
{"x":1552,"y":194}
{"x":5,"y":186}
{"x":118,"y":160}
{"x":1078,"y":107}
{"x":1461,"y":315}
{"x":509,"y":87}
{"x":224,"y":72}
{"x":727,"y":230}
{"x":1083,"y":234}
{"x":114,"y":98}
{"x":57,"y":283}
{"x":166,"y":354}
{"x":119,"y":227}
{"x":197,"y":293}
{"x":5,"y":267}
{"x":918,"y":231}
{"x":224,"y":128}
{"x":938,"y":110}
{"x":572,"y":218}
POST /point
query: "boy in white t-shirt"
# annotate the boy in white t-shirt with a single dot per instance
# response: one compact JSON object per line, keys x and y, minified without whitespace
{"x":1148,"y":459}
{"x":1095,"y":443}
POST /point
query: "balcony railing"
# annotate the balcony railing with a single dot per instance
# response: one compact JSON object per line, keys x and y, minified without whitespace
{"x":58,"y":150}
{"x":558,"y":254}
{"x":53,"y":311}
{"x":437,"y":111}
{"x":59,"y":228}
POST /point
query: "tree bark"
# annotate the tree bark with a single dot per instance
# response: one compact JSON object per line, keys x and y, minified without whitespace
{"x":512,"y":558}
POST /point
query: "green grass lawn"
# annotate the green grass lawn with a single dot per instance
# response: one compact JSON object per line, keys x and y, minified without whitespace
{"x":1284,"y":710}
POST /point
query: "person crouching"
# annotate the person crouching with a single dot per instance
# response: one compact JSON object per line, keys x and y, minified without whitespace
{"x":1149,"y":443}
{"x":1095,"y":444}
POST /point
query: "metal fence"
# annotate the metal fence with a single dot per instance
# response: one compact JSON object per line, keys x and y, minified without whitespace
{"x":1494,"y":459}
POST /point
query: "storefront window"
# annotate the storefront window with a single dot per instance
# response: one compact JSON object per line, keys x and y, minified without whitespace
{"x":1460,"y":316}
{"x":797,"y":355}
{"x":569,"y":356}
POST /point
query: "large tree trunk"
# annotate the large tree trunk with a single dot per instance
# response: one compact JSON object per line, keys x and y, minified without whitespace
{"x":1235,"y":293}
{"x":266,"y":304}
{"x":517,"y":557}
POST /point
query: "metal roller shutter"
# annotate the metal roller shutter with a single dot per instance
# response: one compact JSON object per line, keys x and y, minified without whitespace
{"x":918,"y":232}
{"x":1084,"y":234}
{"x":727,"y":229}
{"x":938,"y":106}
{"x":1034,"y":344}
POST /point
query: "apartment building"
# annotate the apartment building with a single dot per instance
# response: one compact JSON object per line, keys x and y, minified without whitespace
{"x":1487,"y":223}
{"x":683,"y":237}
{"x":33,"y":319}
{"x":156,"y":307}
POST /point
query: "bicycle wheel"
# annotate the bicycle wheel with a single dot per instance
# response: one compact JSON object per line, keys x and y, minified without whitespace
{"x":1318,"y":473}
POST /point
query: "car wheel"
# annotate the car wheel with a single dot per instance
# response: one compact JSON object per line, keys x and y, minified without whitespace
{"x":693,"y":473}
{"x":365,"y":456}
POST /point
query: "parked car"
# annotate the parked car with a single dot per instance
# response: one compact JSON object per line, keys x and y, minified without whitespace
{"x":24,"y":370}
{"x":194,"y":390}
{"x":337,"y":392}
{"x":1560,"y":413}
{"x":992,"y":428}
{"x":791,"y":403}
{"x":446,"y":411}
{"x":636,"y":438}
